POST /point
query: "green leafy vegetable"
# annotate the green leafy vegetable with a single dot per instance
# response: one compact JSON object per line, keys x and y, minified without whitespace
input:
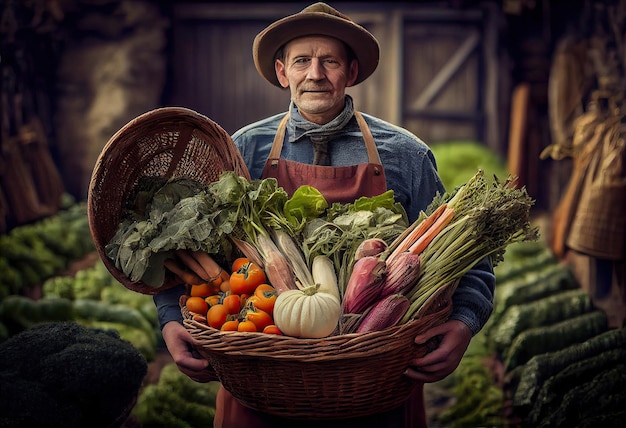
{"x":305,"y":204}
{"x":168,"y":215}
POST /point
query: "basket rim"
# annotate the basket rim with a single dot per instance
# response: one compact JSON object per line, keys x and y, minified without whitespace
{"x":255,"y":344}
{"x":157,"y":120}
{"x":342,"y":341}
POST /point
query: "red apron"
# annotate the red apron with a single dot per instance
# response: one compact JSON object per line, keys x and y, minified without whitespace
{"x":337,"y":184}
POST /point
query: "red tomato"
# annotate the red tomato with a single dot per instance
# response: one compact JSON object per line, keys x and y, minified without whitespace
{"x":232,"y":303}
{"x":238,"y":263}
{"x":217,"y":316}
{"x":213,"y":299}
{"x":247,"y":278}
{"x":203,"y":290}
{"x":197,"y":305}
{"x":260,"y":318}
{"x":272,"y":329}
{"x":230,"y":325}
{"x":246,"y":326}
{"x":265,"y":298}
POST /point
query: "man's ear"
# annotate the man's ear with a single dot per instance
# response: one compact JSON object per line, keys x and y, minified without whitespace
{"x":353,"y":72}
{"x":279,"y":66}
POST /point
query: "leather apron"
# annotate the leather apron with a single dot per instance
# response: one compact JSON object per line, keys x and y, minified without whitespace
{"x":337,"y":184}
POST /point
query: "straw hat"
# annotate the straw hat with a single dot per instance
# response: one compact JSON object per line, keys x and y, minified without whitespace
{"x":316,"y":19}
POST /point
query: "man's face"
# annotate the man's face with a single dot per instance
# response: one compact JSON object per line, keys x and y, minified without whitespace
{"x":317,"y":72}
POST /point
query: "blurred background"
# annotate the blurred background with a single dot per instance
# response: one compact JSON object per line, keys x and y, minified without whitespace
{"x":474,"y":71}
{"x":511,"y":86}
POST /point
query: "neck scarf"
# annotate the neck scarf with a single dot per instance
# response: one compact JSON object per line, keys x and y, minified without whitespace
{"x":299,"y":127}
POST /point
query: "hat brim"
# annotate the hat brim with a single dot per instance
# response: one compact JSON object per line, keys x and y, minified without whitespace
{"x":270,"y":40}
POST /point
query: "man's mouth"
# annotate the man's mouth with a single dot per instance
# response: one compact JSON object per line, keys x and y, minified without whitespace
{"x":315,"y":90}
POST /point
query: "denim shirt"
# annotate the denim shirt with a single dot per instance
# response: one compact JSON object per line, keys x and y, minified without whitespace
{"x":410,"y":170}
{"x":409,"y":165}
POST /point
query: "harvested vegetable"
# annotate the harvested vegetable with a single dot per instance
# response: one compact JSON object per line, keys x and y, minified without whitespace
{"x":324,"y":275}
{"x":265,"y":298}
{"x":365,"y":285}
{"x":307,"y":313}
{"x":247,"y":278}
{"x":429,"y":234}
{"x":386,"y":313}
{"x":293,"y":253}
{"x":476,"y":221}
{"x":416,"y":232}
{"x":370,"y":247}
{"x":487,"y":218}
{"x":401,"y":273}
{"x":344,"y":228}
{"x":174,"y":217}
{"x":198,"y":219}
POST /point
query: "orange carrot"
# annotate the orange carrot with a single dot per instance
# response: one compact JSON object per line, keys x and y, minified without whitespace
{"x":187,"y":277}
{"x":192,"y":264}
{"x":211,"y":267}
{"x":417,"y":232}
{"x":442,"y":221}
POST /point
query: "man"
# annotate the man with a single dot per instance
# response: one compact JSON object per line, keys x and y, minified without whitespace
{"x":324,"y":142}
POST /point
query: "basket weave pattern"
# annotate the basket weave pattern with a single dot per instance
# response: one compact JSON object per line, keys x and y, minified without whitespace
{"x":341,"y":376}
{"x":170,"y":142}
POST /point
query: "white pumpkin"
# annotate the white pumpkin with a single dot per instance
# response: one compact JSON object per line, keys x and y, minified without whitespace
{"x":307,"y":313}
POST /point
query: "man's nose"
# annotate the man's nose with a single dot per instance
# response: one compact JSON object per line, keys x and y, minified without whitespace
{"x":316,"y":70}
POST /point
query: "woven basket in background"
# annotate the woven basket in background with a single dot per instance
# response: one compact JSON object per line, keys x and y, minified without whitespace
{"x":336,"y":377}
{"x":598,"y":228}
{"x":169,"y":142}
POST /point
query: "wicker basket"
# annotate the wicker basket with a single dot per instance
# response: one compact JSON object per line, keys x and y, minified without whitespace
{"x":336,"y":377}
{"x":168,"y":142}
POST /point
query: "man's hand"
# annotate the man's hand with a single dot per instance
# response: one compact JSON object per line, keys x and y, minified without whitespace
{"x":180,"y":346}
{"x":455,"y":338}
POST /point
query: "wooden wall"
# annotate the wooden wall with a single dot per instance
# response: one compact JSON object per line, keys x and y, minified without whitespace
{"x":438,"y":74}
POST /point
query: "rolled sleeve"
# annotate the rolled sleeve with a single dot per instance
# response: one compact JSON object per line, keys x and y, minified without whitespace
{"x":472,"y":302}
{"x":168,"y":306}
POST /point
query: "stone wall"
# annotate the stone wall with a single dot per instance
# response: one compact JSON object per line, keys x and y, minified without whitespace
{"x":111,"y":70}
{"x":82,"y":69}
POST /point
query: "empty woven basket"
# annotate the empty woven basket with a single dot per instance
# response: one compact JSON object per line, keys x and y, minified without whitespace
{"x":169,"y":142}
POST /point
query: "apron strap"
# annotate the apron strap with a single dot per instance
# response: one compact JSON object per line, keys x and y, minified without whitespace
{"x":277,"y":145}
{"x":372,"y":152}
{"x":279,"y":138}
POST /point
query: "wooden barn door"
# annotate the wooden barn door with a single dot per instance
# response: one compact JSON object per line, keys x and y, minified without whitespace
{"x":447,"y":76}
{"x":212,"y":69}
{"x":436,"y":75}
